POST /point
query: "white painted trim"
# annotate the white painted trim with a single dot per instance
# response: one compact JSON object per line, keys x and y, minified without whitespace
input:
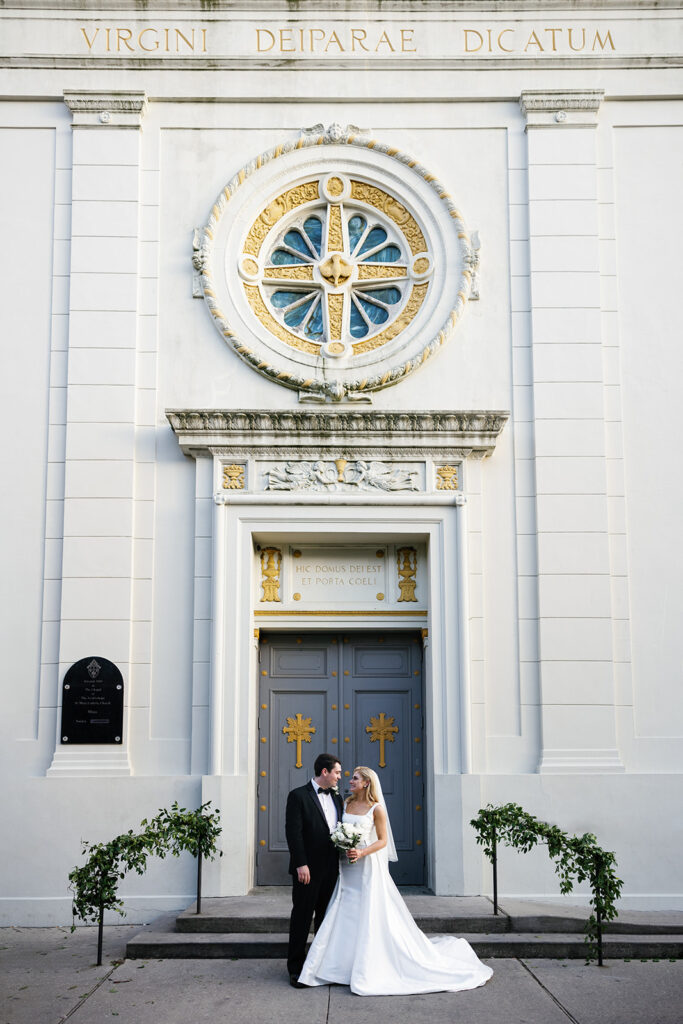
{"x":237,"y":527}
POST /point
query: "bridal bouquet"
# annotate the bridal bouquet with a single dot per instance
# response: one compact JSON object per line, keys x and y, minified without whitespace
{"x":344,"y":837}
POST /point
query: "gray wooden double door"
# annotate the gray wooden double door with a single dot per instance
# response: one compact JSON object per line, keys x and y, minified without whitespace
{"x":355,"y":695}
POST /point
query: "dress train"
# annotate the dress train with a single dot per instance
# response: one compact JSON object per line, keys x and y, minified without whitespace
{"x":369,"y":940}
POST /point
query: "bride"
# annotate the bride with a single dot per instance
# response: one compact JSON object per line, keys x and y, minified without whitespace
{"x":368,"y":939}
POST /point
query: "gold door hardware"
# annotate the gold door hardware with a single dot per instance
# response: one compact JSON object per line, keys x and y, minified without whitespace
{"x":263,"y":774}
{"x":298,"y":731}
{"x":381,"y":729}
{"x":264,"y":707}
{"x":263,"y":807}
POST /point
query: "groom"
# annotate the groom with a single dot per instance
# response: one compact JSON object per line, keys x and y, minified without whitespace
{"x":313,"y":811}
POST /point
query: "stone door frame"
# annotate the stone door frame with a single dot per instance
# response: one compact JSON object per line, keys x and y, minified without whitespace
{"x":424,"y":487}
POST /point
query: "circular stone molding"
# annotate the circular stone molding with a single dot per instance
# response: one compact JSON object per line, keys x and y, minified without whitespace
{"x":334,"y":264}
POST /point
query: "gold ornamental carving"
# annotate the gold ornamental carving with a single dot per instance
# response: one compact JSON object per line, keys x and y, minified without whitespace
{"x":335,"y":235}
{"x":298,"y":730}
{"x":274,"y":212}
{"x":382,"y":730}
{"x":370,"y":272}
{"x":406,"y":562}
{"x":271,"y":564}
{"x":446,"y":478}
{"x":233,"y":478}
{"x":381,"y":200}
{"x":335,"y":187}
{"x":335,"y":311}
{"x":268,"y":320}
{"x":335,"y":269}
{"x":289,"y":273}
{"x":410,"y":310}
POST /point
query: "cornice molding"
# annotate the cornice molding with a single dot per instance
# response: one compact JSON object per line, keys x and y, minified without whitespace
{"x":120,"y":109}
{"x":313,"y":6}
{"x":201,"y":432}
{"x":556,"y":108}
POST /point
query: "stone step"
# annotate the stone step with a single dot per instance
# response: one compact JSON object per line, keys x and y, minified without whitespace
{"x":191,"y":923}
{"x":166,"y":943}
{"x":268,"y":911}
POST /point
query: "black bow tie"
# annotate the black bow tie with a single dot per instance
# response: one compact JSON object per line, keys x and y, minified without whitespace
{"x":325,"y":792}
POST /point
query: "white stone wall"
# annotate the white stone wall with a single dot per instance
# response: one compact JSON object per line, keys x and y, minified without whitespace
{"x":568,"y":166}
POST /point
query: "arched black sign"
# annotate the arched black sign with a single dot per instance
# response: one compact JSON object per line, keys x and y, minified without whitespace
{"x":92,"y":702}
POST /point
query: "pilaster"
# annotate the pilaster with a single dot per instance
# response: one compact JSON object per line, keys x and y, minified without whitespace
{"x":100,"y":515}
{"x":574,"y":602}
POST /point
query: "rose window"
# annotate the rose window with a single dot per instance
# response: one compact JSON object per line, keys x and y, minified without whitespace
{"x":336,"y":267}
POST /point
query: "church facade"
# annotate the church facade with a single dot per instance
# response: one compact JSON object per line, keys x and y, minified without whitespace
{"x":342,"y":373}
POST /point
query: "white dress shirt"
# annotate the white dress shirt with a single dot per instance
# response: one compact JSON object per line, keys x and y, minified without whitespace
{"x":328,"y":805}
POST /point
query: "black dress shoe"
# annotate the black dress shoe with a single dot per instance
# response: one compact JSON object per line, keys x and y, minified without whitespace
{"x":295,"y":983}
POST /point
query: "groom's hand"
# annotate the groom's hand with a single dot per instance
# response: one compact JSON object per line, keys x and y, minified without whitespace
{"x":303,"y":874}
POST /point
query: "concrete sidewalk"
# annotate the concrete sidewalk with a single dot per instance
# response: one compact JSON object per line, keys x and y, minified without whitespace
{"x":47,"y":976}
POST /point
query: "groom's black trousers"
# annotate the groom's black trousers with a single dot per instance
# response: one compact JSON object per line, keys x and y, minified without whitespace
{"x":307,"y":901}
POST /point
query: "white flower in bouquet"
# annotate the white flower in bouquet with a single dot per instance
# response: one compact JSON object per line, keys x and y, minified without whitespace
{"x":344,"y":837}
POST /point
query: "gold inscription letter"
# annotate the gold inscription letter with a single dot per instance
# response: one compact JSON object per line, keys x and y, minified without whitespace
{"x":125,"y":35}
{"x":553,"y":31}
{"x":264,"y":32}
{"x":357,"y":36}
{"x":334,"y":38}
{"x":583,"y":39}
{"x":473,"y":32}
{"x":407,"y":37}
{"x":384,"y":41}
{"x":89,"y":41}
{"x":144,"y":33}
{"x":286,"y":37}
{"x":598,"y":40}
{"x":533,"y":40}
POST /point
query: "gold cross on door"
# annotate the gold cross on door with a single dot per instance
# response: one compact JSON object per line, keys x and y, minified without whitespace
{"x":298,"y":731}
{"x":382,"y":728}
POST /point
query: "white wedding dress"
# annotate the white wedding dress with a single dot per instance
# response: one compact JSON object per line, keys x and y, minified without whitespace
{"x":369,"y":940}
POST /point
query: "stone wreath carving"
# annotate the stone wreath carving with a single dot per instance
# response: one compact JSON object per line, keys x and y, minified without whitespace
{"x":334,"y":264}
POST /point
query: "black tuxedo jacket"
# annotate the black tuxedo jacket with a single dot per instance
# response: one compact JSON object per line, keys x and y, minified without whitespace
{"x":308,"y":834}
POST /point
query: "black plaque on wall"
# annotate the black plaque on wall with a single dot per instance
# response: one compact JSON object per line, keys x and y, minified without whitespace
{"x":92,"y":702}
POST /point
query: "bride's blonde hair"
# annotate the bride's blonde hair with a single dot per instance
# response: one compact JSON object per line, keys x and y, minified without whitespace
{"x":371,"y":779}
